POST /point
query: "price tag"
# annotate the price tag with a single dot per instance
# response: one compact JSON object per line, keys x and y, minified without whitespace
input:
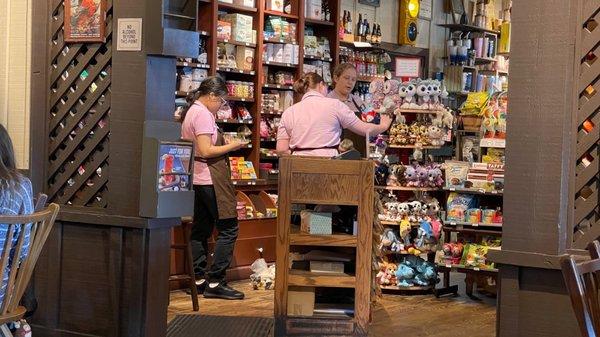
{"x":252,"y":73}
{"x":494,"y":192}
{"x":241,"y":71}
{"x":452,"y":189}
{"x":235,"y":183}
{"x":475,"y":224}
{"x":185,"y":64}
{"x":448,"y":266}
{"x":481,"y":190}
{"x":280,"y":40}
{"x":268,"y":62}
{"x":452,"y":223}
{"x":289,"y":65}
{"x":476,"y":268}
{"x":278,"y":86}
{"x":243,"y":99}
{"x":247,"y":44}
{"x":253,"y":183}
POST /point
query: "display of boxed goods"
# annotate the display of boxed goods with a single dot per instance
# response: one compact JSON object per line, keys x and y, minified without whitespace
{"x":241,"y":27}
{"x":245,"y":3}
{"x":300,"y":301}
{"x":275,"y":5}
{"x":241,"y":169}
{"x":280,"y":30}
{"x":240,"y":89}
{"x":316,"y":223}
{"x":458,"y":206}
{"x":223,"y":30}
{"x":327,"y":267}
{"x":281,"y":53}
{"x":244,"y":58}
{"x":244,"y":211}
{"x":313,"y":9}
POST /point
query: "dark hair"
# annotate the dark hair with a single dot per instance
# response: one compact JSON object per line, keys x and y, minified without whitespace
{"x":211,"y":85}
{"x":10,"y":178}
{"x":308,"y":81}
{"x":340,"y":68}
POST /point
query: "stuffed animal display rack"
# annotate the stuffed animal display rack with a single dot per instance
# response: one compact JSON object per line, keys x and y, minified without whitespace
{"x":419,"y":226}
{"x":411,"y":271}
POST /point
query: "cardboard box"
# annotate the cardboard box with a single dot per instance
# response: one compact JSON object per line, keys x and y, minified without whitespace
{"x":241,"y":27}
{"x":275,"y":5}
{"x":223,"y":30}
{"x":226,"y":1}
{"x":288,"y":52}
{"x":278,"y":53}
{"x":296,"y":56}
{"x":316,"y":223}
{"x":327,"y":267}
{"x":246,"y":3}
{"x":313,"y":9}
{"x":245,"y":58}
{"x":301,"y":301}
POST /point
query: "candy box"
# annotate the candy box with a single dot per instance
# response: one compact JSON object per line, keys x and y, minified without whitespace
{"x":223,"y":30}
{"x":245,"y":58}
{"x":241,"y":27}
{"x":458,"y":204}
{"x":275,"y":5}
{"x":456,"y":173}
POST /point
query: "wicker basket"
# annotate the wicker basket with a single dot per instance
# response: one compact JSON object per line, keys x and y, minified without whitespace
{"x":471,"y":123}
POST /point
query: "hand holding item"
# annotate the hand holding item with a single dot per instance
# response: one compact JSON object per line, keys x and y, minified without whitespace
{"x":386,"y":120}
{"x":238,"y":144}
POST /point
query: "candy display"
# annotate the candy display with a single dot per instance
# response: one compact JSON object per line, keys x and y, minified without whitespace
{"x":241,"y":169}
{"x":240,"y":89}
{"x":458,"y":204}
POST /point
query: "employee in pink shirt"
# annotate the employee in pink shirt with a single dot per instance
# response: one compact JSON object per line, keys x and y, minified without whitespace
{"x":215,"y":202}
{"x":313,"y":126}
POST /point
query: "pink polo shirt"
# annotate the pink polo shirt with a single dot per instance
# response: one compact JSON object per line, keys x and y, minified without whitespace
{"x":199,"y":121}
{"x":315,"y":122}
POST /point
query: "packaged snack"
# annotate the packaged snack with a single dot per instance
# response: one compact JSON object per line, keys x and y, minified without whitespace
{"x":456,"y":173}
{"x":474,"y":215}
{"x":475,"y":255}
{"x":458,"y":204}
{"x":488,"y":215}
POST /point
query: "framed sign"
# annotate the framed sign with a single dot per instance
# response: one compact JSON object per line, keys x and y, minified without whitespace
{"x":129,"y":35}
{"x":174,"y":167}
{"x":425,"y":9}
{"x":408,"y":67}
{"x":374,"y":3}
{"x":85,"y":20}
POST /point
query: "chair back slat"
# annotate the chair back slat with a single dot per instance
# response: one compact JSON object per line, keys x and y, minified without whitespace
{"x":40,"y":202}
{"x":583,"y":281}
{"x":20,"y":268}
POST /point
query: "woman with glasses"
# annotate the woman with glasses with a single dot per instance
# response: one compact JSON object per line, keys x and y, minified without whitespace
{"x":344,"y":80}
{"x":313,"y":126}
{"x":215,"y":201}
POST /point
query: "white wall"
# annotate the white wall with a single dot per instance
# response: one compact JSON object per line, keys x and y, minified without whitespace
{"x":15,"y":47}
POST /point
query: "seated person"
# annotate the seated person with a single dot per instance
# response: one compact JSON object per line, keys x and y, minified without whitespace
{"x":347,"y":151}
{"x":16,"y":198}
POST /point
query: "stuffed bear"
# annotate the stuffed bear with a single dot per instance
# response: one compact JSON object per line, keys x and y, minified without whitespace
{"x":410,"y":101}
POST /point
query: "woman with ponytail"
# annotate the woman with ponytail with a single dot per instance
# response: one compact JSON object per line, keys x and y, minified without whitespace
{"x":313,"y":126}
{"x":215,"y":202}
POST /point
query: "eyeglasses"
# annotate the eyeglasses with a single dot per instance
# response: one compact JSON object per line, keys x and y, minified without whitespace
{"x":223,"y":101}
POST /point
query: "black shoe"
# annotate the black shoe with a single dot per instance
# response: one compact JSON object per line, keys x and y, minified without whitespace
{"x":223,"y":291}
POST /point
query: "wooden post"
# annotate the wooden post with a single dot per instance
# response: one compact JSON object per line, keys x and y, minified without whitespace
{"x":551,"y":193}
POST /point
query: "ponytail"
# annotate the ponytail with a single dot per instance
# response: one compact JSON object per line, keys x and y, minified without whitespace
{"x":306,"y":82}
{"x":211,"y":85}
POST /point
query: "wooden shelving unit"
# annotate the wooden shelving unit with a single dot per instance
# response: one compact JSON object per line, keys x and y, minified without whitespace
{"x":297,"y":186}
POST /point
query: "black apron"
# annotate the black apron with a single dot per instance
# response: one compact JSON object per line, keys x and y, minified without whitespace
{"x":360,"y":142}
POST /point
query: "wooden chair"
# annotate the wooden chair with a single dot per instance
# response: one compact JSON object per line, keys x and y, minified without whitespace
{"x":582,"y":280}
{"x":41,"y":223}
{"x":188,"y":273}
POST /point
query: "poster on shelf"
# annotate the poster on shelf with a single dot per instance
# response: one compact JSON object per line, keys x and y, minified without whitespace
{"x":174,"y":167}
{"x":85,"y":20}
{"x":409,"y":67}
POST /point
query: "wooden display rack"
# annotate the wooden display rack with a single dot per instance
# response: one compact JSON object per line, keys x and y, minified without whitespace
{"x":329,"y":182}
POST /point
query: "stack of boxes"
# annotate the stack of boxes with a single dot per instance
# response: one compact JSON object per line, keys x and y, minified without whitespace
{"x":241,"y":169}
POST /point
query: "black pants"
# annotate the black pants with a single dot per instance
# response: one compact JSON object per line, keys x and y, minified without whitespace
{"x":206,"y":216}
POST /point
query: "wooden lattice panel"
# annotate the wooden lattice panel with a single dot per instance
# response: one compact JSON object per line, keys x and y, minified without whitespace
{"x":586,"y":215}
{"x":78,"y":120}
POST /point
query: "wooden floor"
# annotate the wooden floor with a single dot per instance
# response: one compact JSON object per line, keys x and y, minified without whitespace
{"x":394,"y":316}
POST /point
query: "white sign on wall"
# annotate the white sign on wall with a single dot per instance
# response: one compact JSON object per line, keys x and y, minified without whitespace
{"x":129,"y":34}
{"x":425,"y":9}
{"x":408,"y":67}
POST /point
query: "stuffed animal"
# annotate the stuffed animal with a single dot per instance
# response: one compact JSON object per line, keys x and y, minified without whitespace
{"x":399,"y":134}
{"x":447,"y":119}
{"x":425,"y":234}
{"x":435,"y":135}
{"x":422,"y":174}
{"x":423,"y":93}
{"x":410,"y":101}
{"x":392,"y":211}
{"x":436,"y":92}
{"x":369,"y":114}
{"x":396,"y":176}
{"x":405,"y":275}
{"x":381,"y":174}
{"x":405,"y":229}
{"x":384,"y":277}
{"x":415,"y":212}
{"x":411,"y":177}
{"x":434,"y":176}
{"x":376,"y":90}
